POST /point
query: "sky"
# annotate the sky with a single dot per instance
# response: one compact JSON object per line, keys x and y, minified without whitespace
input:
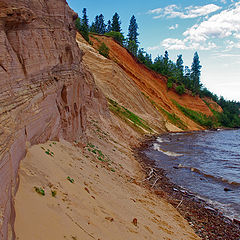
{"x":210,"y":27}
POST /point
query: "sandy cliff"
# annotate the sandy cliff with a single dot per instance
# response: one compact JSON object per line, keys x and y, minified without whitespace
{"x":116,"y":84}
{"x":45,"y":91}
{"x":153,"y":85}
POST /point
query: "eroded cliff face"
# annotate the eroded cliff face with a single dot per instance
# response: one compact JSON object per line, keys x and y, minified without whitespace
{"x":152,"y":84}
{"x":45,"y":91}
{"x":116,"y":84}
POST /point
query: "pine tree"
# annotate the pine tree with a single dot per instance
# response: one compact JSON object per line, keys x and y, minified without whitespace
{"x":95,"y":25}
{"x":116,"y":24}
{"x":141,"y":56}
{"x":148,"y":60}
{"x":166,"y":57}
{"x":195,"y":73}
{"x":109,"y":26}
{"x":165,"y":62}
{"x":187,"y":78}
{"x":132,"y":47}
{"x":179,"y":65}
{"x":85,"y":18}
{"x":92,"y":28}
{"x":144,"y":57}
{"x":132,"y":30}
{"x":102,"y":25}
{"x":98,"y":26}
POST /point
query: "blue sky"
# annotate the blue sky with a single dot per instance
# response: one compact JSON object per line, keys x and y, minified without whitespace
{"x":210,"y":27}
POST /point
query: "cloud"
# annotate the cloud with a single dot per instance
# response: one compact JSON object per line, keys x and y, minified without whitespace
{"x":202,"y":36}
{"x":221,"y":25}
{"x":237,"y":35}
{"x":173,"y":11}
{"x":219,"y":31}
{"x":223,"y":55}
{"x":178,"y":44}
{"x":173,"y":27}
{"x":154,"y":48}
{"x":173,"y":44}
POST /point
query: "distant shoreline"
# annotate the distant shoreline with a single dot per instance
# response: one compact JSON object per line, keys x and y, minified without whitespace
{"x":207,"y":222}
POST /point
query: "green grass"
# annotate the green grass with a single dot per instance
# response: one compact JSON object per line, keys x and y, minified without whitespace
{"x":130,"y":118}
{"x":198,"y":117}
{"x":173,"y":118}
{"x":100,"y":156}
{"x":48,"y":152}
{"x":70,"y":179}
{"x":54,"y":193}
{"x":91,"y":35}
{"x":40,"y":191}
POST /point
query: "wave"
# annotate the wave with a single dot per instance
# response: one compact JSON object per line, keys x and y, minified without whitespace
{"x":161,"y":140}
{"x":218,"y":179}
{"x":176,"y":133}
{"x":156,"y":147}
{"x":228,"y":210}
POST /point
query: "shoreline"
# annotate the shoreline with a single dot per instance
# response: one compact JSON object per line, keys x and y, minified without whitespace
{"x":207,"y":222}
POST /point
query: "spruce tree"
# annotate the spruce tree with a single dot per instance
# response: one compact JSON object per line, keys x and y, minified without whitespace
{"x":102,"y":25}
{"x":179,"y":65}
{"x":85,"y":18}
{"x":187,"y":77}
{"x":195,"y":73}
{"x":141,"y":56}
{"x":165,"y":63}
{"x":132,"y":47}
{"x":132,"y":30}
{"x":166,"y":57}
{"x":116,"y":24}
{"x":109,"y":26}
{"x":95,"y":25}
{"x":92,"y":28}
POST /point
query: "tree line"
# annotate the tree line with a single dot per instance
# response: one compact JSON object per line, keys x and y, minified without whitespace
{"x":112,"y":28}
{"x":180,"y":77}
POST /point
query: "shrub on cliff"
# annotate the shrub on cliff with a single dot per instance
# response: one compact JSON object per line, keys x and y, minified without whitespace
{"x":169,"y":83}
{"x":180,"y":89}
{"x":104,"y":50}
{"x":82,"y":28}
{"x":117,"y":36}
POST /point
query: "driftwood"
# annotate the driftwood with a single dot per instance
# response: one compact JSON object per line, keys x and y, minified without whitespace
{"x":179,"y":203}
{"x":155,"y":182}
{"x":152,"y":174}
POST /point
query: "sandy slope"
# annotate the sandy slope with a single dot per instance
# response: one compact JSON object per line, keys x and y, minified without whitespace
{"x":100,"y":204}
{"x":117,"y":85}
{"x":152,"y":84}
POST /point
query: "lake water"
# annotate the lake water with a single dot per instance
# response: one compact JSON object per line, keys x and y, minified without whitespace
{"x":205,"y":163}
